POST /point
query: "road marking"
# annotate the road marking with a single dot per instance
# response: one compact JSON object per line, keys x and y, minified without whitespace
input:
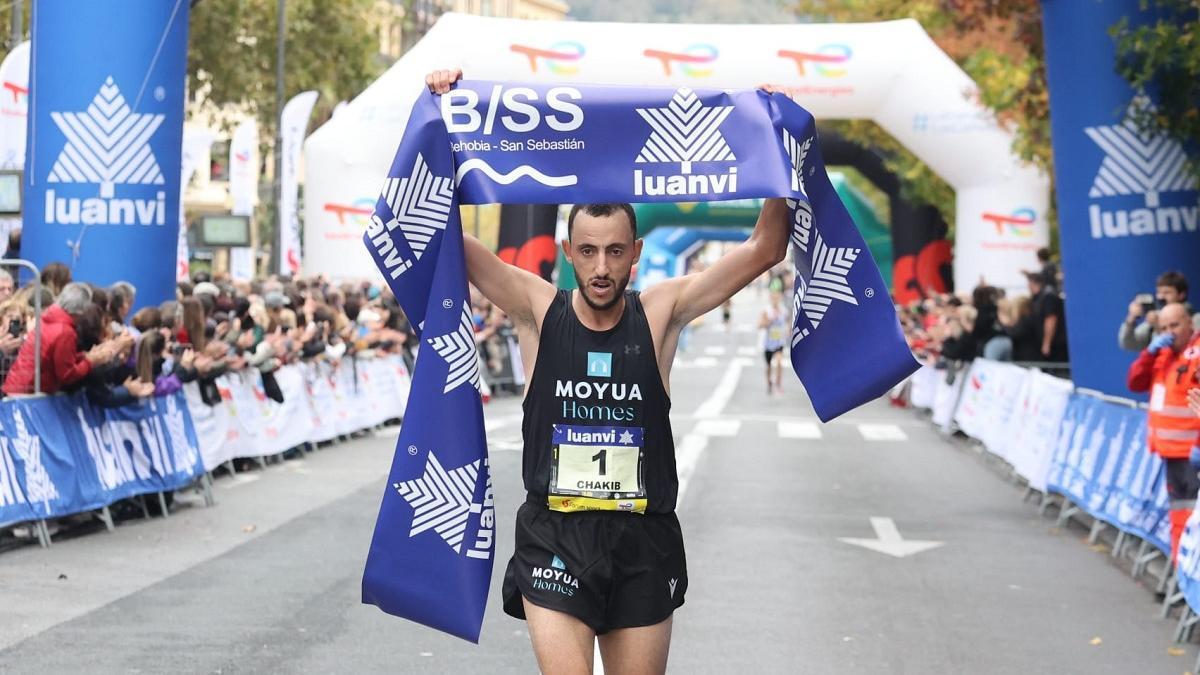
{"x":490,"y":425}
{"x":748,"y":351}
{"x":721,"y":427}
{"x":688,"y":452}
{"x":698,"y":362}
{"x":882,"y":432}
{"x":597,"y":664}
{"x":715,"y":351}
{"x":505,"y":445}
{"x":804,"y":430}
{"x":715,"y":403}
{"x":888,"y":540}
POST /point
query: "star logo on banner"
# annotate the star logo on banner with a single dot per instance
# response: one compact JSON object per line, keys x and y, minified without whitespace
{"x":420,"y":206}
{"x":685,"y":131}
{"x":457,"y":349}
{"x":107,"y":144}
{"x":441,"y":500}
{"x":1138,"y":164}
{"x":626,"y":438}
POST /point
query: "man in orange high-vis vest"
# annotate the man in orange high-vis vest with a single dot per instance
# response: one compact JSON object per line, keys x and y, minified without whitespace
{"x":1168,"y":369}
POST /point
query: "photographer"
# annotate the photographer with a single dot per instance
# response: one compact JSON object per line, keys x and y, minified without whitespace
{"x":15,"y":316}
{"x":1141,"y":322}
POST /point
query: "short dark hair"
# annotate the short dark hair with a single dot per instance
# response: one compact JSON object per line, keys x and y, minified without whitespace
{"x":600,"y":211}
{"x":1173,"y":279}
{"x":1043,"y":254}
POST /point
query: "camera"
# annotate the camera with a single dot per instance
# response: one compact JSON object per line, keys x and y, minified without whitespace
{"x":15,"y":327}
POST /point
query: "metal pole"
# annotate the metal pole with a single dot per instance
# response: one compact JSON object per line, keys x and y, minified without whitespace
{"x":277,"y":257}
{"x":18,"y":24}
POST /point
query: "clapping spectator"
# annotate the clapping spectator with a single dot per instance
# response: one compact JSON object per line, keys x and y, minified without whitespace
{"x":62,"y":362}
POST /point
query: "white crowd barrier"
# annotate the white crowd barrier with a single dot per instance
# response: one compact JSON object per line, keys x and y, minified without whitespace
{"x":321,"y":401}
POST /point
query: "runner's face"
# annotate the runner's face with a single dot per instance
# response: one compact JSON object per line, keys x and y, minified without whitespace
{"x":603,"y":251}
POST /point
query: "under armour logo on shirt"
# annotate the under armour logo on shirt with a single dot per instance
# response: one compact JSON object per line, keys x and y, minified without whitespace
{"x":633,"y":349}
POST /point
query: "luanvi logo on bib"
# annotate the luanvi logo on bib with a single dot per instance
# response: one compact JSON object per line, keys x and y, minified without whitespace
{"x":107,"y":144}
{"x":1136,"y":164}
{"x":684,"y":132}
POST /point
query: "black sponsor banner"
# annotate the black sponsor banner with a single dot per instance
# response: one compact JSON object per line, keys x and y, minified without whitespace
{"x":527,"y":237}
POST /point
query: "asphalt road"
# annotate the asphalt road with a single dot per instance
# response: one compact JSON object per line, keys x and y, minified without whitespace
{"x":268,"y":580}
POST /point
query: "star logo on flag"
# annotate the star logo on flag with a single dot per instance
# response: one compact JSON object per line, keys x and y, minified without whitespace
{"x":626,"y":438}
{"x":441,"y":500}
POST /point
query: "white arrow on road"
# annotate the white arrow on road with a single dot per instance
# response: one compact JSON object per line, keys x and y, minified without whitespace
{"x":888,"y":540}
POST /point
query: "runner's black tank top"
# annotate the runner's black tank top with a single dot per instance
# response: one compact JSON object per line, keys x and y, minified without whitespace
{"x":597,"y":395}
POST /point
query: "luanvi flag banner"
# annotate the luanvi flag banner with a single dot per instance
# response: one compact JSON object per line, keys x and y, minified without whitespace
{"x":495,"y":142}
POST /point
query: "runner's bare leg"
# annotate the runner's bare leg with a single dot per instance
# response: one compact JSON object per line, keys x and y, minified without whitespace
{"x":563,"y":644}
{"x":636,"y":651}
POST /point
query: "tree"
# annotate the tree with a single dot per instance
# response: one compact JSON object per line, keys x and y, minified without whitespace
{"x":330,"y":47}
{"x":996,"y":42}
{"x":1162,"y":58}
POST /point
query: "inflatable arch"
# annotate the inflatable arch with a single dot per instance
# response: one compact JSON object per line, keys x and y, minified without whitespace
{"x":890,"y":72}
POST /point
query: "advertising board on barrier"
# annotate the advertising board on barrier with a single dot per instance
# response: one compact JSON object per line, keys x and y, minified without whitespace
{"x":320,"y":402}
{"x":59,"y":455}
{"x":1101,"y":464}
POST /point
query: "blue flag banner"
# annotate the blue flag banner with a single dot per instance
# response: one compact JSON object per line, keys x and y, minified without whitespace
{"x":1128,"y":209}
{"x":102,"y":169}
{"x":485,"y":142}
{"x":59,"y":455}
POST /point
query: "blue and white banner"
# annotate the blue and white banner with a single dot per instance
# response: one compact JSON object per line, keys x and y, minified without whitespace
{"x":489,"y":142}
{"x":105,"y":130}
{"x":1127,"y":208}
{"x":1101,"y":463}
{"x":59,"y":455}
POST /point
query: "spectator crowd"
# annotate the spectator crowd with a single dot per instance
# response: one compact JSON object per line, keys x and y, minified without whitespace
{"x":91,"y":341}
{"x":1027,"y":328}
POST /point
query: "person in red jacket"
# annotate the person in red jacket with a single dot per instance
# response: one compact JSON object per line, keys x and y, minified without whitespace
{"x":62,"y":362}
{"x":1168,"y":369}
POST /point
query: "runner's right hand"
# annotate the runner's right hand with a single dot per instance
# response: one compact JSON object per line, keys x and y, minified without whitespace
{"x":439,"y":81}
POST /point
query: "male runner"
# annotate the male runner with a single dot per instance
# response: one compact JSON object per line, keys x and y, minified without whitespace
{"x":774,"y":324}
{"x":599,"y":551}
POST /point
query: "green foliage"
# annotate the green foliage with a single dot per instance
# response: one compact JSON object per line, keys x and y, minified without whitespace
{"x":330,"y":47}
{"x":996,"y":42}
{"x":1162,"y":59}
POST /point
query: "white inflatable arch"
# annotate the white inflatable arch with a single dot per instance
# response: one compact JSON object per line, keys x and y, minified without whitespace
{"x":890,"y":72}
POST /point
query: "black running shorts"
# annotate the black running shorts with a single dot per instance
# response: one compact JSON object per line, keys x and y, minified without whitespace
{"x":769,"y":354}
{"x":608,"y":569}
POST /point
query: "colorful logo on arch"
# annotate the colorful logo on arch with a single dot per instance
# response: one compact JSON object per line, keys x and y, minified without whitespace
{"x":827,"y":60}
{"x":16,"y":92}
{"x":357,"y":213}
{"x":1019,"y":223}
{"x":561,"y":58}
{"x":693,"y":61}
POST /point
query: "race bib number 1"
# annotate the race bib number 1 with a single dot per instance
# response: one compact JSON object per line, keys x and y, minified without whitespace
{"x":596,"y":468}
